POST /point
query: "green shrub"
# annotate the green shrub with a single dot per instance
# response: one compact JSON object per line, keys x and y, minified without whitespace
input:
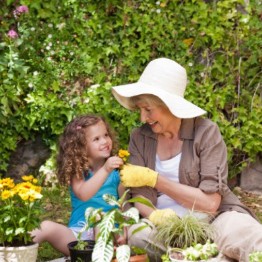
{"x":68,"y":55}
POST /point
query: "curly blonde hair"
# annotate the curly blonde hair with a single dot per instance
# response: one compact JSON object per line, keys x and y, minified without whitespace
{"x":72,"y":158}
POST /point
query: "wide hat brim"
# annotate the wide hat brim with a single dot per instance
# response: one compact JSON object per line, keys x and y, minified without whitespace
{"x":177,"y":105}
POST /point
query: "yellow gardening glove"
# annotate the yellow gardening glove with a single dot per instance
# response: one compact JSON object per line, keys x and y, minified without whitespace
{"x":137,"y":176}
{"x":158,"y":216}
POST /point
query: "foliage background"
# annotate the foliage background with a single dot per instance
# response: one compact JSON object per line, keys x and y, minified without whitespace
{"x":70,"y":53}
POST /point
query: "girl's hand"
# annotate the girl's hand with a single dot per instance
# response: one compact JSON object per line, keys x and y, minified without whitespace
{"x":112,"y":163}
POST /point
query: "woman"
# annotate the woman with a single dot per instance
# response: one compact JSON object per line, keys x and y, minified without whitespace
{"x":187,"y":161}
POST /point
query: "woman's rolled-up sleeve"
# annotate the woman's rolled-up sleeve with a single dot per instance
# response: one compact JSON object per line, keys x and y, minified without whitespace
{"x":213,"y":161}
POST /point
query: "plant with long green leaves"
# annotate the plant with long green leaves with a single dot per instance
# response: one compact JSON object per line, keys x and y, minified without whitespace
{"x":184,"y":232}
{"x":113,"y":223}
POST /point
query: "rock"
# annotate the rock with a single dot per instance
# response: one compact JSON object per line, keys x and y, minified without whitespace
{"x":251,"y":177}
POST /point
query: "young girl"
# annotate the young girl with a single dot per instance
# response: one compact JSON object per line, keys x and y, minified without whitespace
{"x":85,"y":162}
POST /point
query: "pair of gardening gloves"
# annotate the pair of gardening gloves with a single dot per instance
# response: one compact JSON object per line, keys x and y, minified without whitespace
{"x":138,"y":176}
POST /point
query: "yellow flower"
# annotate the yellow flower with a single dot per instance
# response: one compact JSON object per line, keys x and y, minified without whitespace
{"x":28,"y":178}
{"x":33,"y":195}
{"x":124,"y":154}
{"x":7,"y":183}
{"x":6,"y":194}
{"x":20,"y":203}
{"x":23,"y":195}
{"x":188,"y":41}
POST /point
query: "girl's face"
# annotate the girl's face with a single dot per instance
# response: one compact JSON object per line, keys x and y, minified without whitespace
{"x":157,"y":117}
{"x":99,"y":143}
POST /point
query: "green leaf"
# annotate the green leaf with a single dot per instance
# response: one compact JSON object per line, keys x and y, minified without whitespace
{"x":123,"y":253}
{"x":103,"y":251}
{"x":111,"y":200}
{"x":132,"y":213}
{"x":142,"y":201}
{"x":19,"y":230}
{"x":106,"y":225}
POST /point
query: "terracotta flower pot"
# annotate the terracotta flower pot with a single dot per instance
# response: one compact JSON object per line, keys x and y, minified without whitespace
{"x":136,"y":258}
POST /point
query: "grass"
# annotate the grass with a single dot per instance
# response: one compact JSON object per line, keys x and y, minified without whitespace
{"x":57,"y":208}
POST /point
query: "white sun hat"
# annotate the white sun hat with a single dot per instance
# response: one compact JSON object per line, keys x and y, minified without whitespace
{"x":165,"y":79}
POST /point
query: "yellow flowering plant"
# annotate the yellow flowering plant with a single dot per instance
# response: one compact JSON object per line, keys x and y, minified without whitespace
{"x":20,"y":207}
{"x":124,"y":154}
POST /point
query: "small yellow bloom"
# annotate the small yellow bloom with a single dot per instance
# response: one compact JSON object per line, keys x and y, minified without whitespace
{"x":24,"y":196}
{"x":7,"y":183}
{"x":28,"y":178}
{"x":188,"y":41}
{"x":124,"y":154}
{"x":6,"y":194}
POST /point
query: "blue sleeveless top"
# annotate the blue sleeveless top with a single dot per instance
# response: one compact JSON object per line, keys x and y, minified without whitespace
{"x":79,"y":207}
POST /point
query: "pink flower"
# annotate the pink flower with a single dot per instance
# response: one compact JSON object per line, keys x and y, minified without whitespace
{"x":12,"y":33}
{"x":22,"y":9}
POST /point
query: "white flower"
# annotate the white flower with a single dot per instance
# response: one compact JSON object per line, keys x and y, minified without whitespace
{"x":30,"y":85}
{"x":86,"y":101}
{"x":50,"y":36}
{"x":32,"y":29}
{"x":245,"y":20}
{"x":71,"y":53}
{"x":35,"y":73}
{"x":158,"y":3}
{"x":60,"y":26}
{"x":50,"y":25}
{"x":158,"y":11}
{"x":94,"y":86}
{"x":48,"y":48}
{"x":190,"y":64}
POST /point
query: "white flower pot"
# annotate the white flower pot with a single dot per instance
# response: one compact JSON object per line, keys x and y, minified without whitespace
{"x":19,"y":254}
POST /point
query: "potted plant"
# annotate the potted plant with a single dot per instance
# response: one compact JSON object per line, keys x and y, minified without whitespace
{"x":111,"y":224}
{"x":20,"y":207}
{"x":187,"y":239}
{"x":81,"y":250}
{"x":196,"y":252}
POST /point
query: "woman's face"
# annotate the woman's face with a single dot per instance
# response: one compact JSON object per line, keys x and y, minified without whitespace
{"x":158,"y":117}
{"x":99,"y":143}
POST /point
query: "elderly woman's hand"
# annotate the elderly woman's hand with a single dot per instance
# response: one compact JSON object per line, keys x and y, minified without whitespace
{"x":137,"y":176}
